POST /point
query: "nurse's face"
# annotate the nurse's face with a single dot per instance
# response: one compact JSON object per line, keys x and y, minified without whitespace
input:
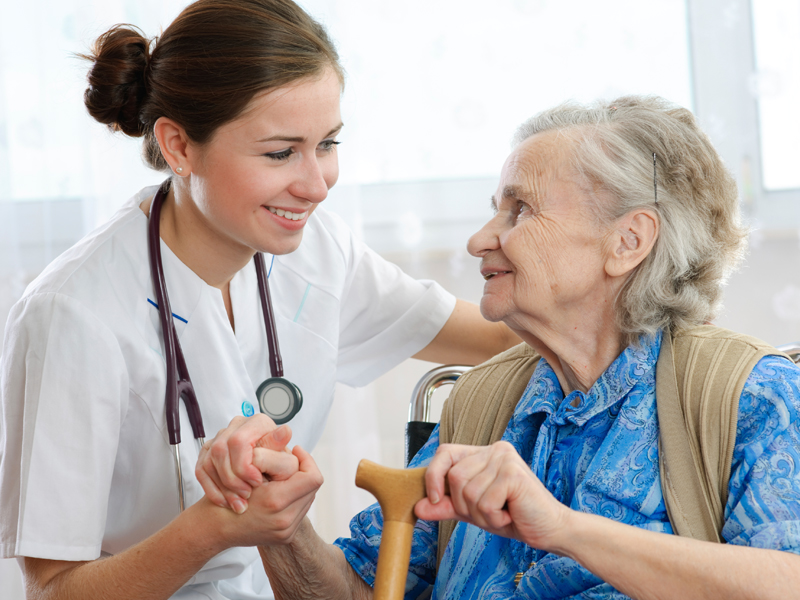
{"x":259,"y":178}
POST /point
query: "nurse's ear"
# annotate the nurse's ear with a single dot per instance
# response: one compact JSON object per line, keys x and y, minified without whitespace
{"x":174,"y":145}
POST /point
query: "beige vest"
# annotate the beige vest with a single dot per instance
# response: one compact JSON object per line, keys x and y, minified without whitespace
{"x":700,"y":375}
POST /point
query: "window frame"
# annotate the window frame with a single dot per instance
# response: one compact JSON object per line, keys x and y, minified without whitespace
{"x":723,"y":72}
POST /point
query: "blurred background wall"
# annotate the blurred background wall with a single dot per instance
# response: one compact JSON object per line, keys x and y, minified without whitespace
{"x":435,"y":89}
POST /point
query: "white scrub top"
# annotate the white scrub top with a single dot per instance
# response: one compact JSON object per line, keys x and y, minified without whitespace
{"x":86,"y":469}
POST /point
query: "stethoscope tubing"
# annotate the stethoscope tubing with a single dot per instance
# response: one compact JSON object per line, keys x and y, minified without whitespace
{"x":275,"y":360}
{"x":179,"y":384}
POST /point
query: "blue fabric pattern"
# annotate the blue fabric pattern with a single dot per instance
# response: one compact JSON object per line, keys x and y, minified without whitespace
{"x":598,"y":453}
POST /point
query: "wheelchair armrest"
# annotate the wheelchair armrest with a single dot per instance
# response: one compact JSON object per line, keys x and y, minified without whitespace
{"x":793,"y":350}
{"x":419,"y":427}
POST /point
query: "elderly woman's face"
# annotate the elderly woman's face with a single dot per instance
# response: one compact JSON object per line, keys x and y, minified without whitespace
{"x":543,"y":253}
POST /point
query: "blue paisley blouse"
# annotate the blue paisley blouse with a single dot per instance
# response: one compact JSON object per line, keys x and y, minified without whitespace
{"x":600,"y":456}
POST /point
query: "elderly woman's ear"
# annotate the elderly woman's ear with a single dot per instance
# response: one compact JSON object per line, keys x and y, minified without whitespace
{"x":630,"y":241}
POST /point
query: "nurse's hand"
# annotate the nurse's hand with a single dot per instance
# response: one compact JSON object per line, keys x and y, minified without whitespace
{"x":235,"y":462}
{"x":493,"y":488}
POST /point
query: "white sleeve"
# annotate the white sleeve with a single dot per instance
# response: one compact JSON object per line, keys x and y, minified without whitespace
{"x":386,"y":316}
{"x":63,"y":395}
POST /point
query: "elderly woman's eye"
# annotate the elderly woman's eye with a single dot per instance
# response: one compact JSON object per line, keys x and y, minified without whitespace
{"x":524,"y":209}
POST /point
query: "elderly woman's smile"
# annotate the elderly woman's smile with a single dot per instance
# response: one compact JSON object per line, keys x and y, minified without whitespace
{"x":487,"y":275}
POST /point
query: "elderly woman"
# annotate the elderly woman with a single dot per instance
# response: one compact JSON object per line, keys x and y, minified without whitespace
{"x":614,"y":229}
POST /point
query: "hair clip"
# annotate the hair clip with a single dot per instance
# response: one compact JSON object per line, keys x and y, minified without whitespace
{"x":655,"y":179}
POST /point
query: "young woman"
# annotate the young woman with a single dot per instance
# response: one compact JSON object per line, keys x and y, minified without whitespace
{"x":238,"y":103}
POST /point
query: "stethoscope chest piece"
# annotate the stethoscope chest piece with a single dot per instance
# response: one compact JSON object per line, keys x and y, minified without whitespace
{"x":279,"y":399}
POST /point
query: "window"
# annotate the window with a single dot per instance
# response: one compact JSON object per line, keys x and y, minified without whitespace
{"x":776,"y":82}
{"x":743,"y":83}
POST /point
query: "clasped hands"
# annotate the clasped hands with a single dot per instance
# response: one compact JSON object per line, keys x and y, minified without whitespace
{"x":489,"y":486}
{"x":249,"y":468}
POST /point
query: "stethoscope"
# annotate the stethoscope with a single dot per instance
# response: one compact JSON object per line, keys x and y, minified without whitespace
{"x":277,"y":397}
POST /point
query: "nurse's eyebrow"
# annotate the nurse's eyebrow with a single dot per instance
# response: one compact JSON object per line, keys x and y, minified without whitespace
{"x":335,"y":130}
{"x":296,"y":139}
{"x":282,"y":138}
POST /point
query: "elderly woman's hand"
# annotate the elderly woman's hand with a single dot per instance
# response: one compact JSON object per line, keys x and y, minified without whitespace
{"x":493,"y":488}
{"x":235,"y":462}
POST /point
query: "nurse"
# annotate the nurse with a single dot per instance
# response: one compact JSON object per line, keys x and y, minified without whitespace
{"x":238,"y":103}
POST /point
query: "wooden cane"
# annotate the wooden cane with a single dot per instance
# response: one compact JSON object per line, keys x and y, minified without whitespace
{"x":397,"y":491}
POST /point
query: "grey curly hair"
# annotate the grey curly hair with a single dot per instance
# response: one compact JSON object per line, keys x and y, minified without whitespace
{"x":701,"y":239}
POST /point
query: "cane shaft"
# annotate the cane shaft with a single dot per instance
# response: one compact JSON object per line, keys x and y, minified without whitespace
{"x":393,"y":558}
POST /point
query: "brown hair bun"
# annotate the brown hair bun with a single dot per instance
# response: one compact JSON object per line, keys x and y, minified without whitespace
{"x":117,"y":87}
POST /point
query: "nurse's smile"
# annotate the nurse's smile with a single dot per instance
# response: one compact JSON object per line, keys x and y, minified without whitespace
{"x":287,"y":214}
{"x":287,"y":219}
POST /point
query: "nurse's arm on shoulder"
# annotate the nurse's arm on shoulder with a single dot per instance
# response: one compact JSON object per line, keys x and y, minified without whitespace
{"x":467,"y":338}
{"x":492,"y":488}
{"x":157,"y":567}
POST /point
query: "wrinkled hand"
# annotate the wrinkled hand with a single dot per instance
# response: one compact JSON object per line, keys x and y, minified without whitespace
{"x":493,"y":488}
{"x":236,"y":461}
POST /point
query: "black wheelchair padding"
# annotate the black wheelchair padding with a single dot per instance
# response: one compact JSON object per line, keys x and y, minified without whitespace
{"x":417,"y":433}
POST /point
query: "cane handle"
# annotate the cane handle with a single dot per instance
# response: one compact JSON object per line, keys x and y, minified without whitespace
{"x":397,"y":491}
